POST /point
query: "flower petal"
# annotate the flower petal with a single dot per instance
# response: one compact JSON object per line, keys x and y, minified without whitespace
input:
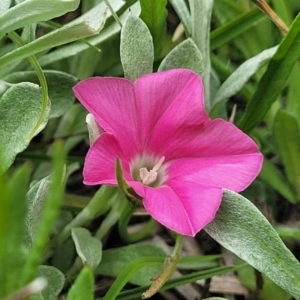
{"x":184,"y":207}
{"x":157,"y":93}
{"x":214,"y":138}
{"x":234,"y":172}
{"x":100,"y":161}
{"x":112,"y":102}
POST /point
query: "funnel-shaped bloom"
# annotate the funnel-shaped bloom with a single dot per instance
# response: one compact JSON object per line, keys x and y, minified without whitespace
{"x":173,"y":155}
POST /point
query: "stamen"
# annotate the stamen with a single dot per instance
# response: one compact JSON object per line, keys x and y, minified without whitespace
{"x":149,"y":177}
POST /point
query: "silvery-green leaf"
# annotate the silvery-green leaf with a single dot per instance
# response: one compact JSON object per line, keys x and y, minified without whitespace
{"x":185,"y":55}
{"x":137,"y":53}
{"x":33,"y":11}
{"x":234,"y":83}
{"x":88,"y":248}
{"x":59,"y":86}
{"x":35,"y":203}
{"x":20,"y":110}
{"x":241,"y":228}
{"x":55,"y":279}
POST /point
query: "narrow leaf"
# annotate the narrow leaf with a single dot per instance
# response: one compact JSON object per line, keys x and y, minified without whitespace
{"x":287,"y":138}
{"x":185,"y":55}
{"x":234,"y":83}
{"x":77,"y":47}
{"x":48,"y":217}
{"x":154,"y":14}
{"x":88,"y":248}
{"x":87,"y":25}
{"x":235,"y":27}
{"x":201,"y":17}
{"x":33,"y":11}
{"x":271,"y":175}
{"x":83,"y":288}
{"x":35,"y":203}
{"x":12,"y":221}
{"x":115,"y":260}
{"x":274,"y":79}
{"x":183,"y":13}
{"x":241,"y":228}
{"x":137,"y":53}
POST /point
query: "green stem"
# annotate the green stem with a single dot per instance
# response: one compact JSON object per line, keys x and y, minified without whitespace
{"x":97,"y":204}
{"x":172,"y":262}
{"x":123,"y":226}
{"x":119,"y":202}
{"x":113,"y":12}
{"x":73,"y":271}
{"x":127,"y":273}
{"x":42,"y":79}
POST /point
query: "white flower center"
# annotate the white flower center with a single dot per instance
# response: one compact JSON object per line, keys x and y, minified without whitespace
{"x":149,"y":170}
{"x":149,"y":177}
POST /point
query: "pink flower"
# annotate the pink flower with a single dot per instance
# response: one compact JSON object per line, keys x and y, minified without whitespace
{"x":173,"y":155}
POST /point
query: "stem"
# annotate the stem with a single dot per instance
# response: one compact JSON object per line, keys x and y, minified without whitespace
{"x":127,"y":273}
{"x":97,"y":204}
{"x":113,"y":12}
{"x":42,"y":79}
{"x":73,"y":271}
{"x":119,"y":202}
{"x":264,"y":6}
{"x":172,"y":262}
{"x":123,"y":226}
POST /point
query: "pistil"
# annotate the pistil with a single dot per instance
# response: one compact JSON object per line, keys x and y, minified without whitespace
{"x":149,"y":177}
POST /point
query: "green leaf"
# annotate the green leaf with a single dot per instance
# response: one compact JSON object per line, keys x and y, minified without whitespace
{"x":271,"y":175}
{"x":235,"y":27}
{"x":154,"y":14}
{"x":88,"y":248}
{"x":201,"y":18}
{"x":36,"y":197}
{"x":20,"y":110}
{"x":286,"y":134}
{"x":124,"y":186}
{"x":59,"y":85}
{"x":55,"y":279}
{"x":137,"y":53}
{"x":88,"y":24}
{"x":185,"y":55}
{"x":292,"y":102}
{"x":38,"y":296}
{"x":288,"y":232}
{"x":269,"y":289}
{"x":107,"y":33}
{"x":184,"y":279}
{"x":12,"y":221}
{"x":274,"y":79}
{"x":63,"y":256}
{"x":5,"y":4}
{"x":114,"y":261}
{"x":183,"y":13}
{"x":234,"y":83}
{"x":241,"y":228}
{"x":83,"y":288}
{"x":33,"y":11}
{"x":48,"y":216}
{"x":198,"y":262}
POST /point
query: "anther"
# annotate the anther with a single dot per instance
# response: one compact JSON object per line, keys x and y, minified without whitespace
{"x":149,"y":177}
